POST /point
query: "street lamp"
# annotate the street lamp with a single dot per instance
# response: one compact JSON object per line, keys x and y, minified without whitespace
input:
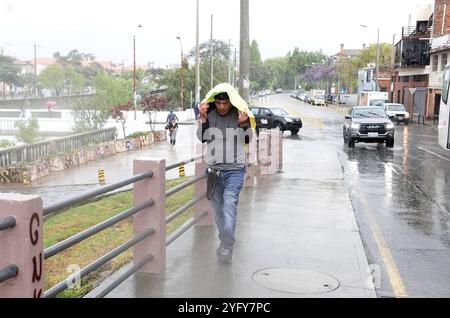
{"x":134,"y":71}
{"x":378,"y":56}
{"x":35,"y":70}
{"x":181,"y":76}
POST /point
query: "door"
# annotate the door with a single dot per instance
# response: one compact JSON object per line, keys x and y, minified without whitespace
{"x":420,"y":101}
{"x":437,"y":104}
{"x":266,"y":118}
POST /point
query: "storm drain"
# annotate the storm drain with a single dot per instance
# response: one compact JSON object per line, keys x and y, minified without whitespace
{"x":295,"y":281}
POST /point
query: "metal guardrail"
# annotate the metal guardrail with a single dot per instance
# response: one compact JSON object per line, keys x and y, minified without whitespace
{"x":7,"y":223}
{"x":8,"y":272}
{"x":186,"y":226}
{"x":52,"y":292}
{"x":124,"y":276}
{"x":52,"y":208}
{"x":61,"y":246}
{"x":30,"y":153}
{"x":179,"y":164}
{"x":183,"y":209}
{"x":184,"y":185}
{"x":77,"y":238}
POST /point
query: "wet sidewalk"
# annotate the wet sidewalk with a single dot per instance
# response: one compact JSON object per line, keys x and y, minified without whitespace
{"x":297,"y":236}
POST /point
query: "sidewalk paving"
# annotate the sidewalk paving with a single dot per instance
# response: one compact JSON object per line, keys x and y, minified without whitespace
{"x":301,"y":219}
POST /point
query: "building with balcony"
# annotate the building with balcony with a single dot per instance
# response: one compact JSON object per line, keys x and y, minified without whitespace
{"x":412,"y":63}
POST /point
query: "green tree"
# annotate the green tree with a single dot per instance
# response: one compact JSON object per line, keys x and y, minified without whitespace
{"x":28,"y":83}
{"x":74,"y":82}
{"x":171,"y":78}
{"x":53,"y":78}
{"x":151,"y":105}
{"x":94,"y":113}
{"x":9,"y":73}
{"x":369,"y":55}
{"x":27,"y":131}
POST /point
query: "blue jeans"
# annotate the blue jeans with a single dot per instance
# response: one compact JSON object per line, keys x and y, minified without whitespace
{"x":225,"y":200}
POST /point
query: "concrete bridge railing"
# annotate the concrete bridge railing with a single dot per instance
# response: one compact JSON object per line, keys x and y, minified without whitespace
{"x":22,"y":254}
{"x":33,"y":152}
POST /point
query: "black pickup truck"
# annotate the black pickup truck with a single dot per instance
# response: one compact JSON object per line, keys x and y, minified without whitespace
{"x":272,"y":118}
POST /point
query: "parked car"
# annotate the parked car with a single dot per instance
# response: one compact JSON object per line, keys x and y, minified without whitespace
{"x":331,"y":99}
{"x":272,"y":118}
{"x":279,"y":91}
{"x":318,"y":100}
{"x":397,"y":112}
{"x":368,"y":125}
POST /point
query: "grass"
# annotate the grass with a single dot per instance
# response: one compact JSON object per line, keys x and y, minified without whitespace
{"x":75,"y":220}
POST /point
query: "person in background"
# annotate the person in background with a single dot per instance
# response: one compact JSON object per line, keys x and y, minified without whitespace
{"x":171,"y":117}
{"x":173,"y":129}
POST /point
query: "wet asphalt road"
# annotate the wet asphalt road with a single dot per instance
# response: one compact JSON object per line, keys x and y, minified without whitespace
{"x":401,"y":199}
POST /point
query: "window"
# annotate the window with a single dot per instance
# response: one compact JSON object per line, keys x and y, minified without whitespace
{"x":255,"y":111}
{"x":405,"y":79}
{"x":444,"y":61}
{"x":368,"y":76}
{"x":266,"y":112}
{"x":435,"y":63}
{"x":420,"y":78}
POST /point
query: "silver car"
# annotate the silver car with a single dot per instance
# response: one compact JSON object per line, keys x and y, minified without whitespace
{"x":368,"y":125}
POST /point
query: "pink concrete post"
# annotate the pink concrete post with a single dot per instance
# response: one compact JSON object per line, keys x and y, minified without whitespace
{"x":264,"y":152}
{"x":277,"y":152}
{"x":200,"y":189}
{"x":251,"y":161}
{"x":22,"y":246}
{"x":153,"y":217}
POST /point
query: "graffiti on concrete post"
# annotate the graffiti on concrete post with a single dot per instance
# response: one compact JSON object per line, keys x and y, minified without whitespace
{"x":34,"y":232}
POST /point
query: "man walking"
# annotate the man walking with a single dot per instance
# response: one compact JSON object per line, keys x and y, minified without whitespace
{"x":226,"y":126}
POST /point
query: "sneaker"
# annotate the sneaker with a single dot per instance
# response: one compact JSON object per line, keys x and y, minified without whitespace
{"x":225,"y":255}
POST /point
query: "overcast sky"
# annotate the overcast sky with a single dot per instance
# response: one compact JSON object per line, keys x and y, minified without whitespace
{"x":106,"y":28}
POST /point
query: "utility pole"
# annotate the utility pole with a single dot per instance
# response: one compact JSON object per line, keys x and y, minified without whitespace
{"x":235,"y":67}
{"x":229,"y":61}
{"x":35,"y":72}
{"x":134,"y":77}
{"x":197,"y":60}
{"x":181,"y":76}
{"x":244,"y":65}
{"x":211,"y":57}
{"x":378,"y":60}
{"x":391,"y":88}
{"x":134,"y":73}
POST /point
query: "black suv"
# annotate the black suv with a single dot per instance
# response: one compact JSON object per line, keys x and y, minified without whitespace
{"x":270,"y":118}
{"x":370,"y":125}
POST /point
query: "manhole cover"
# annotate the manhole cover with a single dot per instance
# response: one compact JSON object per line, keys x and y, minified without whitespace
{"x":295,"y":281}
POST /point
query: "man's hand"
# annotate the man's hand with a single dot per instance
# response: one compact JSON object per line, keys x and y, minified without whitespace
{"x":243,"y":119}
{"x":203,"y":109}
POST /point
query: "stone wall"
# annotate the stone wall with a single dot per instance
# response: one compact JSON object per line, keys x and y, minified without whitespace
{"x":37,"y":170}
